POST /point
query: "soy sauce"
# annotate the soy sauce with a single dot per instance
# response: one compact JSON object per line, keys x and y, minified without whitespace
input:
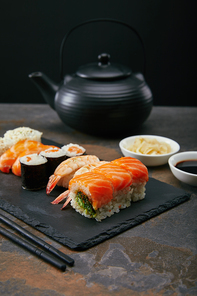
{"x":189,"y":166}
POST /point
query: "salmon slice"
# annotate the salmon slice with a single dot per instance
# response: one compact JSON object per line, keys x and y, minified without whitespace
{"x":96,"y":187}
{"x":135,"y":167}
{"x":119,"y":177}
{"x":16,"y":167}
{"x":9,"y":157}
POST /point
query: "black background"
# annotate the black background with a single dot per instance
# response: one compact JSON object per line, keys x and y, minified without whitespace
{"x":32,"y":32}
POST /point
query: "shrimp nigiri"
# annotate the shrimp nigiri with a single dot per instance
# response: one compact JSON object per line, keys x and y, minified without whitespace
{"x":89,"y":167}
{"x":8,"y":158}
{"x":66,"y":170}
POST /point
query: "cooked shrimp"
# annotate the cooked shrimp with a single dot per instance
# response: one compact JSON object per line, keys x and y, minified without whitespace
{"x":88,"y":167}
{"x":9,"y":157}
{"x":66,"y":170}
{"x":61,"y":197}
{"x":16,"y":167}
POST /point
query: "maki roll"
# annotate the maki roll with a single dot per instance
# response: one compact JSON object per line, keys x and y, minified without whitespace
{"x":102,"y":192}
{"x":55,"y":156}
{"x":33,"y":171}
{"x":73,"y":150}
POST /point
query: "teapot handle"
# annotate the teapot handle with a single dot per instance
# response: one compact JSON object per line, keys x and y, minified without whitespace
{"x":93,"y":21}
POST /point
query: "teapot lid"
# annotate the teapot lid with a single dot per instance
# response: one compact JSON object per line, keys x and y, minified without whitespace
{"x":103,"y":69}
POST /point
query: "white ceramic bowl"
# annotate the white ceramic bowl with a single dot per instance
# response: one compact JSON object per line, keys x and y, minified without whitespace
{"x":182,"y":176}
{"x":149,"y":160}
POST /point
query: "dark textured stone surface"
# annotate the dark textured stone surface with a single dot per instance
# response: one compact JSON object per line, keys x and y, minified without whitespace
{"x":81,"y":233}
{"x":157,"y":257}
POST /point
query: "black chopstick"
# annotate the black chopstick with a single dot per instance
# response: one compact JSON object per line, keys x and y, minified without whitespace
{"x":42,"y":254}
{"x":68,"y":260}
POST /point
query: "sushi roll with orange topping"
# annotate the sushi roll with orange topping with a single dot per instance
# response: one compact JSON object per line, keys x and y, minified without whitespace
{"x":138,"y":172}
{"x":108,"y":188}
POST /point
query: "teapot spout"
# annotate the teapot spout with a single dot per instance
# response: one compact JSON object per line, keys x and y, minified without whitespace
{"x":46,"y":86}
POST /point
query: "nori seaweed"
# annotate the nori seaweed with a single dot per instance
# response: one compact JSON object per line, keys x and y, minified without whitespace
{"x":34,"y":177}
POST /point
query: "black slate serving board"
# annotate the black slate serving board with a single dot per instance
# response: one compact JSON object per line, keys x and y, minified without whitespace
{"x":69,"y":227}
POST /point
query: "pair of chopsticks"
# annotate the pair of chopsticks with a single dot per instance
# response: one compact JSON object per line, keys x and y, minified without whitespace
{"x":52,"y":256}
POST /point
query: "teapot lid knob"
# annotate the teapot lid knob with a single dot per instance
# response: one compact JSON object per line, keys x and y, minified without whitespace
{"x":103,"y":70}
{"x":104,"y":59}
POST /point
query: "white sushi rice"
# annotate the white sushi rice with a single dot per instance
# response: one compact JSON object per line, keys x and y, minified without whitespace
{"x":121,"y":200}
{"x":11,"y":137}
{"x":68,"y":153}
{"x":33,"y":159}
{"x":139,"y":191}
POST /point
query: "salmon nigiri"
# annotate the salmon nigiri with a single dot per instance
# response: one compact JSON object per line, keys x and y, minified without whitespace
{"x":8,"y":158}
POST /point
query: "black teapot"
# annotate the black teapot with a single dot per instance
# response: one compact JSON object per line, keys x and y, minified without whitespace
{"x":101,"y":98}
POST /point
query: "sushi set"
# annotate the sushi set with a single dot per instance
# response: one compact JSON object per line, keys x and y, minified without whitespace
{"x":100,"y":195}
